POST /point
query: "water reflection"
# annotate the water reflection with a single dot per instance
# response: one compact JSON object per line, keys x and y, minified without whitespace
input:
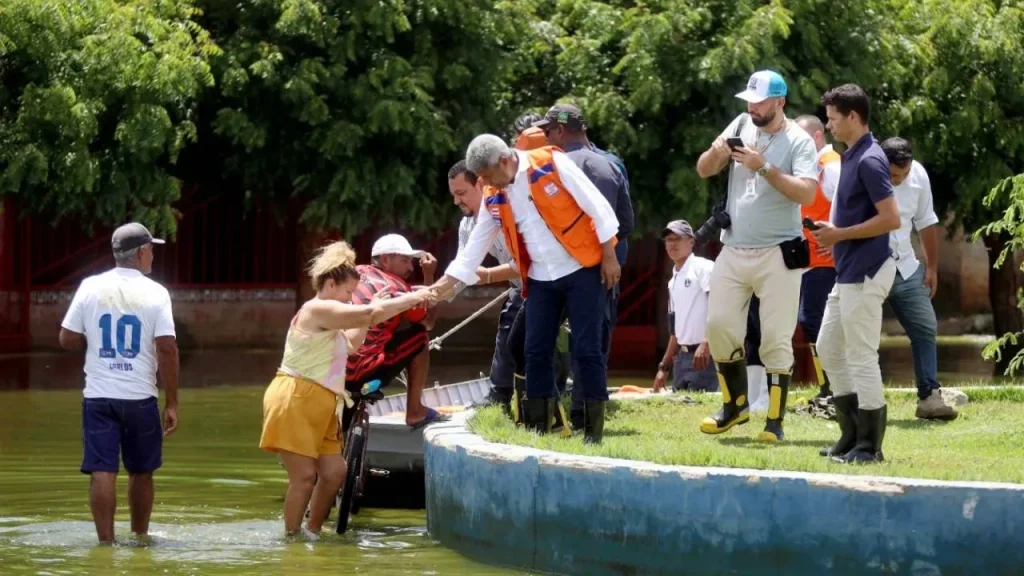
{"x":959,"y":359}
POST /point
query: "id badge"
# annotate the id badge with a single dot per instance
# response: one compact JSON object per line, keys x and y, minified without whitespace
{"x":751,"y":187}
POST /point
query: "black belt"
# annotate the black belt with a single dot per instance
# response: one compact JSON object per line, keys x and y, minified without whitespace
{"x":691,"y":348}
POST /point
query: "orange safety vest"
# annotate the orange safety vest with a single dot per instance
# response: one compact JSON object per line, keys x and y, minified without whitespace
{"x":531,"y":139}
{"x":819,"y":211}
{"x":569,"y":224}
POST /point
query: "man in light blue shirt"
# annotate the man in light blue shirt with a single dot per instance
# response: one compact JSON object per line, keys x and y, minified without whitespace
{"x":772,"y":171}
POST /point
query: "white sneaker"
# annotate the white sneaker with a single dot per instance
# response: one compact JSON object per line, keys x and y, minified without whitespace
{"x":757,"y":389}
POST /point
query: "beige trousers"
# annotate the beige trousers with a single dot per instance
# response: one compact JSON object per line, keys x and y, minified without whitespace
{"x":739,"y":273}
{"x":851,"y":330}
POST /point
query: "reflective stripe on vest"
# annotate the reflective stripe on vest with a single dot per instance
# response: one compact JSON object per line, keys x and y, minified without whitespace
{"x":820,"y":210}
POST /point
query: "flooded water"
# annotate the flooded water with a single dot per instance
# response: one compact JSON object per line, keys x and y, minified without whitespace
{"x":218,"y":502}
{"x":219,"y":497}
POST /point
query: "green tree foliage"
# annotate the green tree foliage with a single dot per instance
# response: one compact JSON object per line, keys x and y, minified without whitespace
{"x":358,"y":107}
{"x":1008,"y":350}
{"x":96,"y":103}
{"x":657,"y":79}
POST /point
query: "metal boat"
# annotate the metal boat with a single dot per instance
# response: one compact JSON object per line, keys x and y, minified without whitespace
{"x":393,"y":446}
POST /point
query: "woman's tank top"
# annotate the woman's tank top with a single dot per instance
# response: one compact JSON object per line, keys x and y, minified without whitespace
{"x":318,"y":356}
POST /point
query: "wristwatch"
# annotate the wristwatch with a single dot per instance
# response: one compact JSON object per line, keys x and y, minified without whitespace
{"x":662,"y":367}
{"x":763,"y":170}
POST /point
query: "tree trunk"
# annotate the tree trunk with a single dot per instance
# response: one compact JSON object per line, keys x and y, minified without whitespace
{"x":307,"y":245}
{"x":1003,"y":285}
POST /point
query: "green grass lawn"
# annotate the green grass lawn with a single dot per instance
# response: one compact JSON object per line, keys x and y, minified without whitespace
{"x":985,"y":443}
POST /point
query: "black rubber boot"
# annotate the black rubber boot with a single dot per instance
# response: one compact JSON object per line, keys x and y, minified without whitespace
{"x":538,"y":414}
{"x":778,"y":392}
{"x":518,"y":394}
{"x":593,"y":421}
{"x":503,"y":398}
{"x":732,"y":379}
{"x":870,"y":433}
{"x":576,"y":418}
{"x":824,"y":388}
{"x":846,"y":415}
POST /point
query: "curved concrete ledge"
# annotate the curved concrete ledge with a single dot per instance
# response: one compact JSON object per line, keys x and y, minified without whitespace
{"x":568,"y":514}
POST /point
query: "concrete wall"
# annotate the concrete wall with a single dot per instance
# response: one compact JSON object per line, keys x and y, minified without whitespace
{"x":251,"y":318}
{"x":544,"y":511}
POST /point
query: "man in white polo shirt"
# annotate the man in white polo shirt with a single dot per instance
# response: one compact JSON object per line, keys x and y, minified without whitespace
{"x":915,"y":285}
{"x":122,"y":321}
{"x":687,"y":355}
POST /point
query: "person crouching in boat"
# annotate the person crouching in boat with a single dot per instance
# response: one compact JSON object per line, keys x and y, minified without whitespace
{"x":300,"y":406}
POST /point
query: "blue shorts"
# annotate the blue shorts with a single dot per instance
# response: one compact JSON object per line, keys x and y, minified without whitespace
{"x":131,"y":427}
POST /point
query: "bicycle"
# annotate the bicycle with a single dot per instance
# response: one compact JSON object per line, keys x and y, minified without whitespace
{"x":356,"y":440}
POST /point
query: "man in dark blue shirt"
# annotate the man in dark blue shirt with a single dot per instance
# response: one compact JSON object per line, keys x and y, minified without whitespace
{"x":864,"y":212}
{"x":564,"y":126}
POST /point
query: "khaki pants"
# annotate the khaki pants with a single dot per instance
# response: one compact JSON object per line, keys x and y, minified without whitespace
{"x":738,"y":273}
{"x":850,"y":333}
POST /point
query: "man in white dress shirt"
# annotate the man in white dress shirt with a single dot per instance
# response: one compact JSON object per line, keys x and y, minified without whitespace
{"x":561,"y":232}
{"x":467,"y":196}
{"x":915,"y":285}
{"x":687,"y":356}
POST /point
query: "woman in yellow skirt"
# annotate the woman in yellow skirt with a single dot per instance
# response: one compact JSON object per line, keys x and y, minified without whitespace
{"x":300,"y":419}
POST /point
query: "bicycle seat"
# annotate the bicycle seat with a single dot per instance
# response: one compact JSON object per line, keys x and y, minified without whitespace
{"x":372,"y":397}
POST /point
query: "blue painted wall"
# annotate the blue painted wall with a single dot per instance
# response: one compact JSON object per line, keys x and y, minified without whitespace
{"x":518,"y":507}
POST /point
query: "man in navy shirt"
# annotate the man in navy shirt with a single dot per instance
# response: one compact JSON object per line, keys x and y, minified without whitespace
{"x":564,"y":126}
{"x":864,"y":212}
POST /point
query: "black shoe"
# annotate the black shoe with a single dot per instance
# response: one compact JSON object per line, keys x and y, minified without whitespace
{"x":870,"y":433}
{"x":593,"y":421}
{"x":778,"y":392}
{"x":538,"y":414}
{"x":846,"y":415}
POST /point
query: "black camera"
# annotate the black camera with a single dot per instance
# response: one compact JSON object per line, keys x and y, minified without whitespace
{"x":718,"y":221}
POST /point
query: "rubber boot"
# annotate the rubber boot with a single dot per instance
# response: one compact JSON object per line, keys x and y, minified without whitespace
{"x":825,"y":389}
{"x":732,"y":379}
{"x":538,"y":413}
{"x":518,"y":394}
{"x":501,"y":398}
{"x":561,"y":425}
{"x":778,"y":391}
{"x":846,"y":415}
{"x":870,"y":433}
{"x":593,"y":421}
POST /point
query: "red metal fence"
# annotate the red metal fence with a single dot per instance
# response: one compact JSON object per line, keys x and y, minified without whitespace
{"x":224,"y":243}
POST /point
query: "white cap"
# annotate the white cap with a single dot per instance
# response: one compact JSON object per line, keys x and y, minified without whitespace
{"x":394,"y":244}
{"x":762,"y":86}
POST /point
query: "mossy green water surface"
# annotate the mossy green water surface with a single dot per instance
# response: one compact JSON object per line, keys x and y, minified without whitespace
{"x":218,"y":502}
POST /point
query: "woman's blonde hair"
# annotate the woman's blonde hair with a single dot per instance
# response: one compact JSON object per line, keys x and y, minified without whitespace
{"x":335,"y":261}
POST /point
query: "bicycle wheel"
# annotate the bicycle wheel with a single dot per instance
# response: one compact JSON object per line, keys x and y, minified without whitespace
{"x":354,"y":463}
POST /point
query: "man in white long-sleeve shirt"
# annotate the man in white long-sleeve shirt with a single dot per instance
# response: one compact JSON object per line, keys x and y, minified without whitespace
{"x":561,"y":233}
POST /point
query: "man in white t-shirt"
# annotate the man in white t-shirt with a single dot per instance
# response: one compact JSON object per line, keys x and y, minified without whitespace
{"x":687,"y":354}
{"x":915,"y":285}
{"x":122,"y":321}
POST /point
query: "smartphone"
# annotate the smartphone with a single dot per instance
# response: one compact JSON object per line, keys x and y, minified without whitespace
{"x":735,"y":143}
{"x":810,"y":225}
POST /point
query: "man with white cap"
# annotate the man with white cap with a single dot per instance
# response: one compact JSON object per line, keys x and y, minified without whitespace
{"x":772,"y":172}
{"x":400,"y":343}
{"x":122,"y":321}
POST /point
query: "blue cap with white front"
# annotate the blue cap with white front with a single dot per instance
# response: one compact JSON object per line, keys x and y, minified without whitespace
{"x":762,"y":86}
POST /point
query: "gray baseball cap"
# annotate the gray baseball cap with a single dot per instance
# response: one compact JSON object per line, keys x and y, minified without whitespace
{"x":679,"y":227}
{"x":131,"y":236}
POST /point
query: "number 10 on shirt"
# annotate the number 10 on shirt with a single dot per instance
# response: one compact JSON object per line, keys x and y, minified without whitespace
{"x":123,"y":323}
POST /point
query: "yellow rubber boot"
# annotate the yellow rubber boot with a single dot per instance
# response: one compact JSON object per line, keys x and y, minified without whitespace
{"x":732,"y":379}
